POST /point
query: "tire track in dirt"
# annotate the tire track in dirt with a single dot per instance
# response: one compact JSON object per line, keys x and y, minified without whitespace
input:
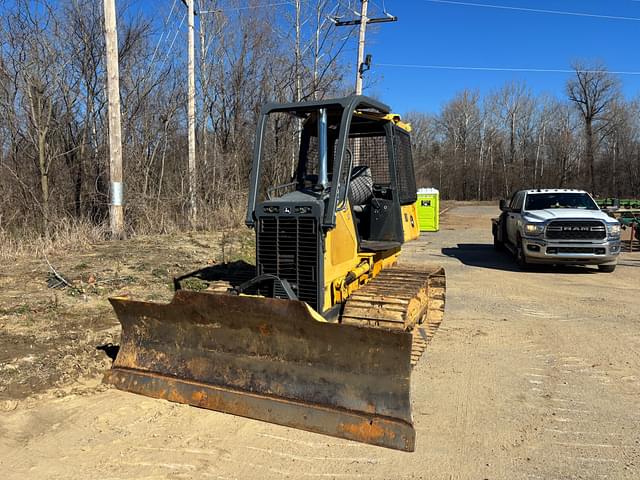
{"x":583,"y":436}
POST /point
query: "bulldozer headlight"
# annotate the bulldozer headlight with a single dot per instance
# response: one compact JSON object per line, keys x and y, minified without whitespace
{"x":533,"y":228}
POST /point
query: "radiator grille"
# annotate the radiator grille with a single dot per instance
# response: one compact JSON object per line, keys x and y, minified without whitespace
{"x":576,"y":230}
{"x":288,"y":247}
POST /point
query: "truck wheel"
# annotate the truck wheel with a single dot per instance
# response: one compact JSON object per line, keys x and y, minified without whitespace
{"x":497,"y":244}
{"x":606,"y":268}
{"x":521,"y":257}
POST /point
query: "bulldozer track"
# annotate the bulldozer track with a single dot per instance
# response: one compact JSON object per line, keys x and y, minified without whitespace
{"x":401,"y":298}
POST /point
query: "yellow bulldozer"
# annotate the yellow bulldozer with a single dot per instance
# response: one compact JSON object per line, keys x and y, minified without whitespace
{"x":324,"y":335}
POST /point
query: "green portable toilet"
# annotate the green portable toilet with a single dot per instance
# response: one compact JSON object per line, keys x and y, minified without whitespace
{"x":428,"y":205}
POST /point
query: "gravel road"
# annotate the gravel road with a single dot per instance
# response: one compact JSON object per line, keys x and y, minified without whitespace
{"x":532,"y":375}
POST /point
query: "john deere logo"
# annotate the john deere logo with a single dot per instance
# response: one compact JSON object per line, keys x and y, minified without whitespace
{"x":287,"y":209}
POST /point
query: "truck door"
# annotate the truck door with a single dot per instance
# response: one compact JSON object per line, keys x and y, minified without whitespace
{"x":513,"y":216}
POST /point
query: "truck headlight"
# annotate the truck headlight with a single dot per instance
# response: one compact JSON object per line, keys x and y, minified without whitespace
{"x":614,"y":229}
{"x":533,"y":228}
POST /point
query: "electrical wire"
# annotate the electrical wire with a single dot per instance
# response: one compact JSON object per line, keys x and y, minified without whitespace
{"x":173,"y":41}
{"x":535,"y":10}
{"x":498,"y":69}
{"x":250,"y":7}
{"x":164,"y":26}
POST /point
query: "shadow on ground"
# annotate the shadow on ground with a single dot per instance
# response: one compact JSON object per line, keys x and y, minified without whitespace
{"x":484,"y":255}
{"x":235,"y":273}
{"x":110,"y":350}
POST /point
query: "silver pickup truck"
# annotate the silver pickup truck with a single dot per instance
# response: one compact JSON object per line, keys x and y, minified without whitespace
{"x":557,"y":226}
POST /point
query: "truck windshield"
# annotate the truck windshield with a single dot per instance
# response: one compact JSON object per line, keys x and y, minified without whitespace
{"x":542,"y":201}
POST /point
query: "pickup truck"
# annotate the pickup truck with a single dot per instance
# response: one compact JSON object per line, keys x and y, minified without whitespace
{"x":557,"y":226}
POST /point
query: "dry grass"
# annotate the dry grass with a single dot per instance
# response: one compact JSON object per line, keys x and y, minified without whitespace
{"x":65,"y":234}
{"x":173,"y":216}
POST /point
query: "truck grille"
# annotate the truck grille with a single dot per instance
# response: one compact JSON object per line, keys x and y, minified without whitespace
{"x":576,"y":230}
{"x":288,"y":248}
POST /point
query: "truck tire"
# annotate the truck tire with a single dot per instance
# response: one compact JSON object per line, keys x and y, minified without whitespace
{"x":521,"y":257}
{"x":607,"y":268}
{"x":497,"y":244}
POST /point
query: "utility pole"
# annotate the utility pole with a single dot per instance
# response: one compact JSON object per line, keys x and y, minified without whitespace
{"x":191,"y":112}
{"x":363,"y":30}
{"x":116,"y":214}
{"x":363,"y":64}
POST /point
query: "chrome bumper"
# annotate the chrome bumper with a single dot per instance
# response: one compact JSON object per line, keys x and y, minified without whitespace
{"x":540,"y":250}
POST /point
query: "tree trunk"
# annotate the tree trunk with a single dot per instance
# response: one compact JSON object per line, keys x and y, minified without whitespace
{"x":590,"y":155}
{"x":44,"y":182}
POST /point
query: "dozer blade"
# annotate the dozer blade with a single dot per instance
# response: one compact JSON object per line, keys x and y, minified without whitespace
{"x":271,"y":360}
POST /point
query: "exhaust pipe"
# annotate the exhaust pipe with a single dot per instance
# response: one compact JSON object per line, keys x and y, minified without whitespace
{"x":323,"y":176}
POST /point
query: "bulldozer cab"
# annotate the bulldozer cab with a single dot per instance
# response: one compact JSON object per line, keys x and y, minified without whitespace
{"x":352,"y":153}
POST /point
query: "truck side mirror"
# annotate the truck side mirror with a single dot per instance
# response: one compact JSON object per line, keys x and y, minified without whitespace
{"x":503,"y":205}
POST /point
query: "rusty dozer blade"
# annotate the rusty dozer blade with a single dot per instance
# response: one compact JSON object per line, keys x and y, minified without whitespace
{"x":271,"y":360}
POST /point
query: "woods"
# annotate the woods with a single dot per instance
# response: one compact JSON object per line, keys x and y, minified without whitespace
{"x":54,"y":172}
{"x":481,"y":148}
{"x":53,"y":115}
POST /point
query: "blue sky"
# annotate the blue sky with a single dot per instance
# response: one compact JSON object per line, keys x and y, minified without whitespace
{"x":431,"y":33}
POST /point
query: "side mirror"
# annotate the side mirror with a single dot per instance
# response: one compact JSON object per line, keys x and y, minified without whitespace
{"x":503,"y":205}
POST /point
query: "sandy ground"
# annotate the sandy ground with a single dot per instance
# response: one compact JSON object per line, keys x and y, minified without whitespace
{"x":532,"y":375}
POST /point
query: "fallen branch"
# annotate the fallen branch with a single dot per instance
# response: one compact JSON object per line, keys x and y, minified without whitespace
{"x":61,"y":279}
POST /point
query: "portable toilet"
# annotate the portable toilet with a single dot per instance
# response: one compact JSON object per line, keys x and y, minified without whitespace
{"x":428,"y":204}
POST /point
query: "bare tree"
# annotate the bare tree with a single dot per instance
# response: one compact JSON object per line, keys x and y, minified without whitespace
{"x":593,"y":91}
{"x":460,"y":121}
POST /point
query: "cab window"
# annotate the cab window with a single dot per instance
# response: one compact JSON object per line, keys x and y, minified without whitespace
{"x":516,"y":201}
{"x":512,"y":203}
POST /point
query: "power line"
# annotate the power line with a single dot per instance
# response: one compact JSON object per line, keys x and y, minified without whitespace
{"x":498,"y":69}
{"x":166,"y":22}
{"x":166,"y":57}
{"x":250,"y":7}
{"x":535,"y":10}
{"x":363,"y":20}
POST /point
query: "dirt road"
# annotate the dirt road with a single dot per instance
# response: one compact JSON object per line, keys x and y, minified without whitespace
{"x":532,"y":375}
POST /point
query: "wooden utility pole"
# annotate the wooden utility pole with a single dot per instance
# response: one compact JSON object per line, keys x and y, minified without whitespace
{"x":363,"y":30}
{"x":116,"y":214}
{"x":363,"y":21}
{"x":191,"y":114}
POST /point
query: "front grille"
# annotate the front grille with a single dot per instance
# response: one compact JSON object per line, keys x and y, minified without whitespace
{"x":576,"y":230}
{"x":288,"y":248}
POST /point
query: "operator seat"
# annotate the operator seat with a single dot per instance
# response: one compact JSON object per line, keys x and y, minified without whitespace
{"x":360,"y":188}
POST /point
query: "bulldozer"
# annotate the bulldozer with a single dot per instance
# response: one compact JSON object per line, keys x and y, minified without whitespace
{"x":324,"y":334}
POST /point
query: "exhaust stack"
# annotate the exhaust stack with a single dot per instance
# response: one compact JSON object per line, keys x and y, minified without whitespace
{"x":323,"y":176}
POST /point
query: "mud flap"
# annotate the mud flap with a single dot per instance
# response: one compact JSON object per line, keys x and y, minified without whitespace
{"x":271,"y":360}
